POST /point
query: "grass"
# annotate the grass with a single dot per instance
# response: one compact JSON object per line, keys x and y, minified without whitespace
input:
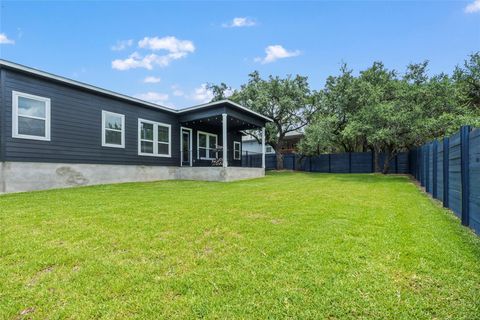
{"x":291,"y":245}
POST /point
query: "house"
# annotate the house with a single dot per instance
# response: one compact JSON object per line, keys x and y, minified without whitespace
{"x":56,"y":132}
{"x":251,"y":145}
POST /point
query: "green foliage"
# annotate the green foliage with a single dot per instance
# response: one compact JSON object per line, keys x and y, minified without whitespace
{"x":467,"y":79}
{"x":377,"y":110}
{"x":382,"y":111}
{"x":287,"y":246}
{"x":289,"y":102}
{"x":220,"y":91}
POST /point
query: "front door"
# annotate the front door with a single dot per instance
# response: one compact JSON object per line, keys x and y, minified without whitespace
{"x":186,"y":147}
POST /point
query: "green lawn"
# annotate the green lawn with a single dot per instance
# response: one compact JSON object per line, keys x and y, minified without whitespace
{"x":291,"y":245}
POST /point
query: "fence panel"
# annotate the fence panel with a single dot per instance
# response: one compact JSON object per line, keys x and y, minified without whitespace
{"x":403,"y":163}
{"x":289,"y":161}
{"x":270,"y":161}
{"x":361,"y":162}
{"x":454,"y":175}
{"x":320,"y":163}
{"x":475,"y":180}
{"x":340,"y":163}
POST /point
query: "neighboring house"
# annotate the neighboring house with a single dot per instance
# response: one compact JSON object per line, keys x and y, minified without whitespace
{"x":57,"y":132}
{"x":251,"y":145}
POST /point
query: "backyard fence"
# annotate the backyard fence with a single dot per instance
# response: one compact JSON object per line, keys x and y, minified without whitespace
{"x":348,"y":162}
{"x":449,"y":169}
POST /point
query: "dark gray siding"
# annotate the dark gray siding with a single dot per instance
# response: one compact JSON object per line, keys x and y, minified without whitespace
{"x":2,"y":115}
{"x":76,"y":125}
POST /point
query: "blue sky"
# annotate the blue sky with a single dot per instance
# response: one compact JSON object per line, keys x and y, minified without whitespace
{"x":180,"y":46}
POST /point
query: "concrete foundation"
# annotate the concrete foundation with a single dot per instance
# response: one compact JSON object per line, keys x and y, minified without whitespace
{"x":219,"y":173}
{"x":30,"y":176}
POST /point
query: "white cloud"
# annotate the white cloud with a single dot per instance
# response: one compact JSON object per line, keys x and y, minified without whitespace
{"x":202,"y":94}
{"x":240,"y":22}
{"x":228,"y":92}
{"x":473,"y":7}
{"x":151,"y":79}
{"x":176,"y":91}
{"x":177,"y":49}
{"x":276,"y":52}
{"x":170,"y":44}
{"x":122,"y":44}
{"x":155,"y":97}
{"x":135,"y":60}
{"x":4,"y":39}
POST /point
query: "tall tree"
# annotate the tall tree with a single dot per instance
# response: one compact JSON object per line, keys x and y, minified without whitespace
{"x":467,"y":80}
{"x":389,"y":113}
{"x":219,"y":91}
{"x":337,"y":104}
{"x":289,"y":102}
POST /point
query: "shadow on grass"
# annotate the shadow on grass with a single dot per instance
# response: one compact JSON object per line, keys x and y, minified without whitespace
{"x":374,"y":178}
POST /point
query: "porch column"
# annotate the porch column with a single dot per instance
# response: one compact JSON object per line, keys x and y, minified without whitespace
{"x":263,"y":147}
{"x":224,"y":135}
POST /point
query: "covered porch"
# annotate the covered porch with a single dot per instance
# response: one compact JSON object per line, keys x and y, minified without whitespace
{"x":211,"y":136}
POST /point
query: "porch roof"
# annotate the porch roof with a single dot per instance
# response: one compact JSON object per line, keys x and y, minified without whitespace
{"x":210,"y":114}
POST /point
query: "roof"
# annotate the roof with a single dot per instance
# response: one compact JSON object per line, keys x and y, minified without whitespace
{"x":236,"y":105}
{"x":83,"y":85}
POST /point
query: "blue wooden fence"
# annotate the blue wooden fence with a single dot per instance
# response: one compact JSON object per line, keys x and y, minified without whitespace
{"x":349,"y":162}
{"x":449,"y":169}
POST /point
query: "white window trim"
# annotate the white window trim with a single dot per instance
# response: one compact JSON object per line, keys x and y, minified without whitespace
{"x":155,"y":139}
{"x":208,"y":134}
{"x":104,"y":143}
{"x":15,"y":115}
{"x":236,"y":143}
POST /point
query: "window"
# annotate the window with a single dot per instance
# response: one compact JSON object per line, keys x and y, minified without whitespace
{"x":113,"y":130}
{"x":207,"y":145}
{"x":30,"y":116}
{"x":153,"y":138}
{"x":237,"y":150}
{"x":268,"y":149}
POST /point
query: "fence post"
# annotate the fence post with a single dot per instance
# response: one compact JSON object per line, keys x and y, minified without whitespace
{"x":422,"y":166}
{"x":396,"y":163}
{"x":373,"y":161}
{"x":309,"y":163}
{"x":329,"y":163}
{"x":446,"y":166}
{"x":419,"y":164}
{"x":294,"y":161}
{"x":427,"y":169}
{"x":349,"y":162}
{"x":465,"y":174}
{"x":434,"y":169}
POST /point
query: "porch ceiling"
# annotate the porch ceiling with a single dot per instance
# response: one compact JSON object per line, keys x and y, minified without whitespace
{"x":215,"y":122}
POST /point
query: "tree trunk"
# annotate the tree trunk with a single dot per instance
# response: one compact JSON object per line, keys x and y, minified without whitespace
{"x":386,"y":166}
{"x":279,"y":157}
{"x":386,"y":161}
{"x":377,"y":160}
